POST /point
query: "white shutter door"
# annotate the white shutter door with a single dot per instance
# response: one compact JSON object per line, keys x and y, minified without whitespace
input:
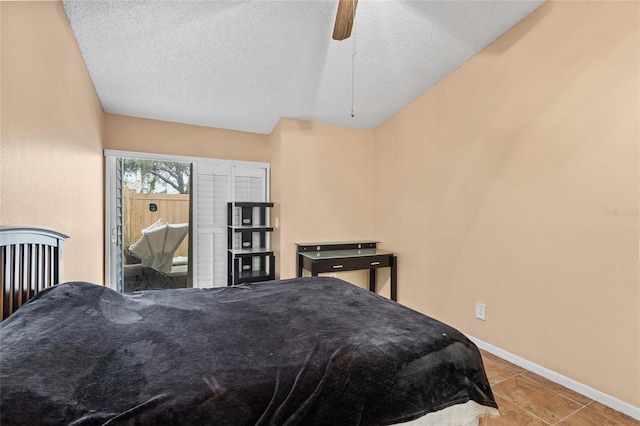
{"x":212,"y":196}
{"x":250,"y":184}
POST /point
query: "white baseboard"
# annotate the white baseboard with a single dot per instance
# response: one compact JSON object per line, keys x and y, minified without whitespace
{"x":583,"y":389}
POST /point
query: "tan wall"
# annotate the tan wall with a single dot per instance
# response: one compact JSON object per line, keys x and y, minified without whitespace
{"x":495,"y":186}
{"x":52,"y":122}
{"x":321,"y":183}
{"x":162,"y":137}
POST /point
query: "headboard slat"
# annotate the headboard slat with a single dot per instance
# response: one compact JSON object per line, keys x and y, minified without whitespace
{"x":3,"y":269}
{"x":29,"y":262}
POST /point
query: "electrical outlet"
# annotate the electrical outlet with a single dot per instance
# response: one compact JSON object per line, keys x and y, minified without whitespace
{"x":480,"y":311}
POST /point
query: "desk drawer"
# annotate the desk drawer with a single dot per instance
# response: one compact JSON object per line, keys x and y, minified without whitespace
{"x":336,"y":265}
{"x":372,"y":262}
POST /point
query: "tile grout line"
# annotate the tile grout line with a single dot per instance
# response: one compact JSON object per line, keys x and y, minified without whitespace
{"x":553,"y":391}
{"x":560,"y":394}
{"x":527,"y":411}
{"x":605,"y":415}
{"x":575,"y":412}
{"x":522,"y":373}
{"x":502,"y":380}
{"x":517,"y":405}
{"x":516,"y":374}
{"x":617,"y":405}
{"x":513,"y":372}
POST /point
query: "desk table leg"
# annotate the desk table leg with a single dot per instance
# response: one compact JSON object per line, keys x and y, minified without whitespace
{"x":394,"y":278}
{"x":372,"y":280}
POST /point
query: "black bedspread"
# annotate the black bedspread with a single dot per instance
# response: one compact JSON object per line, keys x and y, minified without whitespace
{"x":305,"y":351}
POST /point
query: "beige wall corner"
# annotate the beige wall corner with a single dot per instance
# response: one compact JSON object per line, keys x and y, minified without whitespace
{"x":275,"y":142}
{"x":513,"y":182}
{"x":163,"y":137}
{"x":323,"y":181}
{"x":51,"y":161}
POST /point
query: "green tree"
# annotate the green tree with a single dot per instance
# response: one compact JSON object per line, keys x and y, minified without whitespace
{"x":149,"y":172}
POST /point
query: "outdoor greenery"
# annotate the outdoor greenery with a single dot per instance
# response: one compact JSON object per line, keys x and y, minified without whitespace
{"x":149,"y":176}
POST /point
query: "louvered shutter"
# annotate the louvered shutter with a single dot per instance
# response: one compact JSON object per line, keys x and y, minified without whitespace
{"x":212,"y":194}
{"x":119,"y":278}
{"x":249,"y":184}
{"x":215,"y":186}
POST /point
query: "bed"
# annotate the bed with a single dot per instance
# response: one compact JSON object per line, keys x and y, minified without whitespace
{"x":305,"y":351}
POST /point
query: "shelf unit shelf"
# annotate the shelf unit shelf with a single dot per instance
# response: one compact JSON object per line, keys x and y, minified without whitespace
{"x":251,"y":228}
{"x":249,"y":258}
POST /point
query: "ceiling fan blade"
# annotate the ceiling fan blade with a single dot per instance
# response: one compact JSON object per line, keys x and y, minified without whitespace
{"x":344,"y":19}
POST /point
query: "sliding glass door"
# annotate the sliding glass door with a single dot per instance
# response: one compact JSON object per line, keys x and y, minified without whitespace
{"x":151,"y":223}
{"x":166,"y":223}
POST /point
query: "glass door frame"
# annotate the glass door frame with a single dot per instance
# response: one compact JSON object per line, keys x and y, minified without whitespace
{"x":113,"y":230}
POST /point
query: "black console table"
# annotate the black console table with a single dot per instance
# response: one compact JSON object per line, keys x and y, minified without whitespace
{"x":347,"y":256}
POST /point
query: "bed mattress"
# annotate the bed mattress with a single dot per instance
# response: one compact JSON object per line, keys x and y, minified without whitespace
{"x":306,"y":351}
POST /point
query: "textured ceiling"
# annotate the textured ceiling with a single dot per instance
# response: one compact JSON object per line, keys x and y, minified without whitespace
{"x":242,"y":65}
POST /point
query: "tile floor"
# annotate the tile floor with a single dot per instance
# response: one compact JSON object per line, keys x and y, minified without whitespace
{"x":527,"y":399}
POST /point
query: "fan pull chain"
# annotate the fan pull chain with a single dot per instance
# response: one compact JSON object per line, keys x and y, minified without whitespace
{"x":353,"y":64}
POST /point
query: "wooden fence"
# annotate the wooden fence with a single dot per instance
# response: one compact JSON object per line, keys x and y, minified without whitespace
{"x":172,"y":208}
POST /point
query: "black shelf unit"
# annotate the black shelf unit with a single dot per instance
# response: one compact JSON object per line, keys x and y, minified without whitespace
{"x":252,"y":261}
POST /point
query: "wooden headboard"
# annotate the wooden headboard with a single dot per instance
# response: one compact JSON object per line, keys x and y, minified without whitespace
{"x":29,"y":262}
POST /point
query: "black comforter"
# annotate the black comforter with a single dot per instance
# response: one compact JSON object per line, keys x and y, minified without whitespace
{"x":305,"y":351}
